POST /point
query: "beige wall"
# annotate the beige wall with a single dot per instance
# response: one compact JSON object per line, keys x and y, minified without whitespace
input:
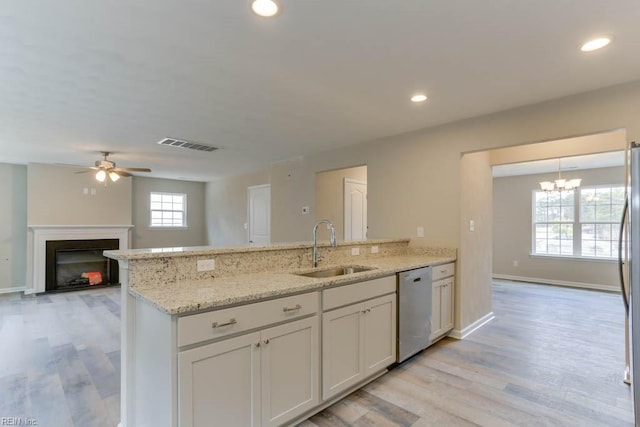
{"x":226,"y":205}
{"x":330,"y":194}
{"x":512,"y":214}
{"x":55,"y":197}
{"x":13,"y":227}
{"x":414,"y":179}
{"x":473,"y":284}
{"x":145,"y":237}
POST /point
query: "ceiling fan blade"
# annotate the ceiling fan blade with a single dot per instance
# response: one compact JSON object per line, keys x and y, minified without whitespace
{"x":133,"y":169}
{"x":121,"y":172}
{"x":87,"y":169}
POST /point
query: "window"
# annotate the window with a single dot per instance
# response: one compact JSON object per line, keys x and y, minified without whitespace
{"x":168,"y":210}
{"x":553,"y":222}
{"x":600,"y":213}
{"x":593,"y":233}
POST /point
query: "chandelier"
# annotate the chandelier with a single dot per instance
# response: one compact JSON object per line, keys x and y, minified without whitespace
{"x":561,"y":184}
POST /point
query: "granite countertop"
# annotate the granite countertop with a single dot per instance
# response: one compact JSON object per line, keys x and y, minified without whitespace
{"x":186,"y":297}
{"x":134,"y":254}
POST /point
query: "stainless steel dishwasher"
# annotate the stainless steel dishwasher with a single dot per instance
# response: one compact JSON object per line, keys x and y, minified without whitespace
{"x":414,"y":311}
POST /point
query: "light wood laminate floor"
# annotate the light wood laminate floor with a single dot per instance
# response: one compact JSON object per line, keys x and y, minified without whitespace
{"x":552,"y":356}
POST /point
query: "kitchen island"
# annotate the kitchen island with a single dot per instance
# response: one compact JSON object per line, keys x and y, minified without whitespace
{"x":187,"y":312}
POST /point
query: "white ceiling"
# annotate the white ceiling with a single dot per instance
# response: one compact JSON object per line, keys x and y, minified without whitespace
{"x":78,"y":76}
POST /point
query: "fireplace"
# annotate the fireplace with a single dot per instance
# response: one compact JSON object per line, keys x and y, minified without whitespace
{"x":79,"y":264}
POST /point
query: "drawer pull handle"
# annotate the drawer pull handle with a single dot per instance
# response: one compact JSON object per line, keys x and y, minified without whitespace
{"x":266,"y":341}
{"x":294,"y":308}
{"x":443,"y":271}
{"x":417,"y":279}
{"x":215,"y":325}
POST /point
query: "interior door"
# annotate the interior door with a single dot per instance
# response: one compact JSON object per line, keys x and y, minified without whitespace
{"x":259,"y":214}
{"x":355,"y":209}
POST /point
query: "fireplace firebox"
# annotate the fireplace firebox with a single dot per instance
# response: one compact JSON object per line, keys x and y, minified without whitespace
{"x":79,"y":264}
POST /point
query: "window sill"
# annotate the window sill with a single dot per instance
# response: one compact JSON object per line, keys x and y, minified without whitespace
{"x":167,"y":228}
{"x":574,"y":258}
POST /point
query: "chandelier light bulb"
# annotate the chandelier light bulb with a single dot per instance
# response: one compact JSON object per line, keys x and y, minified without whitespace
{"x":114,"y":176}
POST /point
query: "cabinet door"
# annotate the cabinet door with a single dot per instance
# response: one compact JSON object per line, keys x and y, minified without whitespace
{"x":436,"y":310}
{"x":219,"y":383}
{"x":380,"y":333}
{"x":342,"y":349}
{"x":447,"y":305}
{"x":290,"y":370}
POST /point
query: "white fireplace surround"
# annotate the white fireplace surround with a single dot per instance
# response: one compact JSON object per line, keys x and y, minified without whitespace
{"x":40,"y":234}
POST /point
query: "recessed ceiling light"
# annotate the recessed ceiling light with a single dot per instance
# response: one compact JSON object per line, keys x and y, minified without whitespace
{"x":266,"y":8}
{"x":419,"y":97}
{"x":595,"y":44}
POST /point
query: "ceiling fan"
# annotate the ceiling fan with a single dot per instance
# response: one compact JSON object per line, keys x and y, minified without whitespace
{"x":107,"y":167}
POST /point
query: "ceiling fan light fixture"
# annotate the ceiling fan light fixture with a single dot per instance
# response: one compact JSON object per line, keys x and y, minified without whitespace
{"x":101,"y":175}
{"x":265,"y":8}
{"x":114,"y":176}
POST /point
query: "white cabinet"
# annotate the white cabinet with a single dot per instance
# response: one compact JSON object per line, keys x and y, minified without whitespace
{"x":221,"y":382}
{"x":263,"y":378}
{"x":290,"y":371}
{"x":358,"y":340}
{"x":442,"y":300}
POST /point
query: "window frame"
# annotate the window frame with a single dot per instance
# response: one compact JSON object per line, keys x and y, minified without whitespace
{"x":612,"y":224}
{"x":560,"y":223}
{"x":577,"y":226}
{"x":184,"y":225}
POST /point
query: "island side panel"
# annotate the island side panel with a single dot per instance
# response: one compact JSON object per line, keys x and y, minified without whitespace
{"x":148,"y":394}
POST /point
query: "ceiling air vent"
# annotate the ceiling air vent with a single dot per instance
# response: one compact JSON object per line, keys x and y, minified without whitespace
{"x":186,"y":144}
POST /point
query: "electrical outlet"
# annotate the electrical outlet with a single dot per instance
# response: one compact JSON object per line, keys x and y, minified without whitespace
{"x":206,"y":264}
{"x":472,"y":225}
{"x":305,"y":210}
{"x":355,"y":251}
{"x":374,"y":249}
{"x":420,"y":231}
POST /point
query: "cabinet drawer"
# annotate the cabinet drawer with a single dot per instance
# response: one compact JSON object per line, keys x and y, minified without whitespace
{"x":442,"y":271}
{"x":219,"y":323}
{"x":349,"y":294}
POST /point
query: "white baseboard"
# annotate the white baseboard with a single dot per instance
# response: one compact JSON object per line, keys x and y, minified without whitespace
{"x":462,"y":334}
{"x":594,"y":286}
{"x":11,"y":290}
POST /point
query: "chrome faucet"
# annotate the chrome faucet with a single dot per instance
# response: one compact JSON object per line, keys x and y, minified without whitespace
{"x":334,"y":243}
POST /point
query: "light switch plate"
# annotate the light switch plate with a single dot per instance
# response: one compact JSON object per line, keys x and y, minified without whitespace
{"x":374,"y":249}
{"x":305,"y":210}
{"x":206,"y":264}
{"x":472,"y":225}
{"x":355,"y":251}
{"x":420,"y":231}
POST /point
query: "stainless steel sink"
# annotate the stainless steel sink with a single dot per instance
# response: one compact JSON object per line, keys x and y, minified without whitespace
{"x":335,"y":271}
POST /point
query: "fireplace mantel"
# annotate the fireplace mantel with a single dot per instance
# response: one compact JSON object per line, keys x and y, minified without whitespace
{"x":40,"y":234}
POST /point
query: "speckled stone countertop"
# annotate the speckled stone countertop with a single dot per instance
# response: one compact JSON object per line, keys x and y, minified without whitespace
{"x":137,"y":254}
{"x":189,"y":296}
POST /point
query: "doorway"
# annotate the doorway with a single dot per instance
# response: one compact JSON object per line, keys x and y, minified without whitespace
{"x":259,"y":210}
{"x":355,"y":209}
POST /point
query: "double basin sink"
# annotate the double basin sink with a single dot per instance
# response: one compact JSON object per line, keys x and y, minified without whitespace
{"x":335,"y":271}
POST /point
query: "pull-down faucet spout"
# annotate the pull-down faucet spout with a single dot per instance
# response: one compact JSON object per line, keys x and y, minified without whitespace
{"x":334,"y":243}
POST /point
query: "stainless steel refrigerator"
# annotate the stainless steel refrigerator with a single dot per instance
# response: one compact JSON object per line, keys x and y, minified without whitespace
{"x":634,"y":273}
